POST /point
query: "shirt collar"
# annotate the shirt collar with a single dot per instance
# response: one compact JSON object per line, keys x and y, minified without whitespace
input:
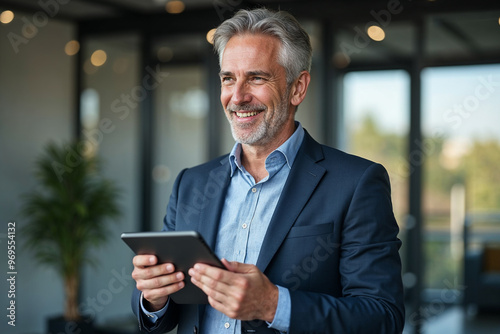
{"x":289,"y":149}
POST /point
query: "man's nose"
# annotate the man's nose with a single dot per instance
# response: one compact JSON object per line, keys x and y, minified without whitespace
{"x":240,"y":94}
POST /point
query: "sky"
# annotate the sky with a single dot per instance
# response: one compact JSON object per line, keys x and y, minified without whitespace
{"x":458,"y":102}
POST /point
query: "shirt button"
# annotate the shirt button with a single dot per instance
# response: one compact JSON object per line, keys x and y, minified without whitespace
{"x":226,"y":325}
{"x":254,"y":190}
{"x":244,"y":225}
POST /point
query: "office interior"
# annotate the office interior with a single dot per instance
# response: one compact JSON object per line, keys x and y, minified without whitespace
{"x":412,"y":84}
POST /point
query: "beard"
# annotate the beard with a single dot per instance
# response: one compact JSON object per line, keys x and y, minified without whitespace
{"x":266,"y":129}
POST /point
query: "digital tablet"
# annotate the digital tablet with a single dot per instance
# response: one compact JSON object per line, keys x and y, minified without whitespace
{"x":183,"y":249}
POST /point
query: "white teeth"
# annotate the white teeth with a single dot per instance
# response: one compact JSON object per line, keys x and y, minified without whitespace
{"x":246,"y":114}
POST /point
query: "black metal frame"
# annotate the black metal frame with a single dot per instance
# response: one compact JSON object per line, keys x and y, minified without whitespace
{"x":146,"y":110}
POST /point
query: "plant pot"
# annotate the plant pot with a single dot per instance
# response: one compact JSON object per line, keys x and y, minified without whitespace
{"x":59,"y":325}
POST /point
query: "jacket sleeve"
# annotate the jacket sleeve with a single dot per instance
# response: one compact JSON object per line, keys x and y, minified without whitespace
{"x":370,"y":269}
{"x":163,"y":325}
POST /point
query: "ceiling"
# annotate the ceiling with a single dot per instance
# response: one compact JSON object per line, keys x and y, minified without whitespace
{"x":82,"y":10}
{"x":460,"y":29}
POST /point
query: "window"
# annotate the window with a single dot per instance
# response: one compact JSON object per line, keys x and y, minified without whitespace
{"x":461,"y":136}
{"x":376,"y":123}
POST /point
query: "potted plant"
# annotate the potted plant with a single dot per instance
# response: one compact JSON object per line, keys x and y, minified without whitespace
{"x":66,"y":216}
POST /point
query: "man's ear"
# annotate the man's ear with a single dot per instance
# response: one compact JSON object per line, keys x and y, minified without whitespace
{"x":299,"y":88}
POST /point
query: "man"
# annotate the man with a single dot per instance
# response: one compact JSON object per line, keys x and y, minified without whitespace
{"x":308,"y":231}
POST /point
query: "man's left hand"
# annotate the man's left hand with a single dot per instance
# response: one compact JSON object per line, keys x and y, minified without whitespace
{"x":241,"y":292}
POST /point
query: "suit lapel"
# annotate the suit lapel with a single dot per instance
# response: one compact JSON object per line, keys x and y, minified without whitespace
{"x":214,"y":197}
{"x":303,"y":179}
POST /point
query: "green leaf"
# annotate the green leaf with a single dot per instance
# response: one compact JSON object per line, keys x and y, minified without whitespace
{"x":69,"y":211}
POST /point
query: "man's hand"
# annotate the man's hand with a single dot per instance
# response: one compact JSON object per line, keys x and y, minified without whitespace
{"x":242,"y":292}
{"x":156,"y":281}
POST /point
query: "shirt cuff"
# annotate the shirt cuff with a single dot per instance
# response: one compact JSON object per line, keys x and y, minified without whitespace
{"x":153,"y":316}
{"x":281,"y":320}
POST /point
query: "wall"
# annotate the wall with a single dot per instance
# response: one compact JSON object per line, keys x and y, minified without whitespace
{"x":37,"y":106}
{"x":36,"y":97}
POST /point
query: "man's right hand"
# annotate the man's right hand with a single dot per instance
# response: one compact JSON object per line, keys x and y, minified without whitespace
{"x":156,"y":281}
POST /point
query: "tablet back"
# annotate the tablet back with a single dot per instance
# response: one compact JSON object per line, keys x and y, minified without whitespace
{"x":183,"y":249}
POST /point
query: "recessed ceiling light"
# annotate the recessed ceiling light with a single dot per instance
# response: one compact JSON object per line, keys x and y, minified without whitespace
{"x":98,"y":58}
{"x":165,"y":54}
{"x":6,"y":16}
{"x":210,"y":36}
{"x":72,"y":48}
{"x":175,"y":7}
{"x":341,"y":60}
{"x":376,"y":33}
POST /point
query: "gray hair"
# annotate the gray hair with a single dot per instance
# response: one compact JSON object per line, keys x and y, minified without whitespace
{"x":295,"y":53}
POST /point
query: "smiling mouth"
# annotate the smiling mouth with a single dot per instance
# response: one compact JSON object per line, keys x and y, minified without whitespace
{"x":247,"y":113}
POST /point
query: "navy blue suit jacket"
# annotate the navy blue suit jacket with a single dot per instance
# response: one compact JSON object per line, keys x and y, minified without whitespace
{"x":332,"y":242}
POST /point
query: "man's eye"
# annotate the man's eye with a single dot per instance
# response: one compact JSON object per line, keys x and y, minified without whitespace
{"x":226,"y":79}
{"x":258,"y":79}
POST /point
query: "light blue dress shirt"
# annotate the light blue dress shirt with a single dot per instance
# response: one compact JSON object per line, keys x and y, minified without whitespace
{"x":247,"y":211}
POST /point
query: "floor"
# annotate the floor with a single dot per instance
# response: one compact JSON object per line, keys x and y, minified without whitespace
{"x":449,"y":320}
{"x":455,"y":320}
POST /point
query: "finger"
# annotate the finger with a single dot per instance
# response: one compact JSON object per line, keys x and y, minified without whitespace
{"x":218,"y":296}
{"x":152,"y":271}
{"x":228,"y":265}
{"x":160,"y":281}
{"x":160,"y":293}
{"x":200,"y":279}
{"x":238,"y":267}
{"x":210,"y":279}
{"x":223,"y":301}
{"x":144,"y":260}
{"x":200,"y":285}
{"x":218,"y":305}
{"x":214,"y":273}
{"x":157,"y":298}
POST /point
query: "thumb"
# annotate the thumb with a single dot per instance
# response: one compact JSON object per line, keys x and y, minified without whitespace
{"x":236,"y":267}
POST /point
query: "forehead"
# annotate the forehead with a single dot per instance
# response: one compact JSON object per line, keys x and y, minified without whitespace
{"x":251,"y":48}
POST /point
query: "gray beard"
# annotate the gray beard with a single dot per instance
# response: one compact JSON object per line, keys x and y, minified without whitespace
{"x":266,"y":130}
